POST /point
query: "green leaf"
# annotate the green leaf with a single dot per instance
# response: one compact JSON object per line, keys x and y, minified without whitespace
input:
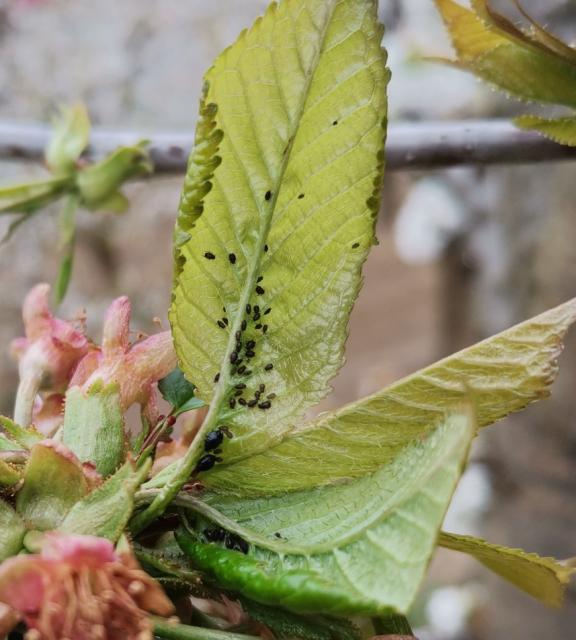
{"x":505,"y":373}
{"x":53,"y":482}
{"x":106,"y":510}
{"x":393,"y":625}
{"x":70,"y":138}
{"x":67,"y":223}
{"x":94,"y":426}
{"x":26,"y":438}
{"x":99,"y":183}
{"x":8,"y":445}
{"x":31,"y":196}
{"x":174,"y":631}
{"x":355,"y":548}
{"x":176,"y":390}
{"x":561,"y":130}
{"x":543,"y":578}
{"x":287,"y":193}
{"x":12,"y":531}
{"x":508,"y":58}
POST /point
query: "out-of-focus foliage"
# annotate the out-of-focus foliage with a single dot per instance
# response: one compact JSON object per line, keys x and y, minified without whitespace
{"x":528,"y":61}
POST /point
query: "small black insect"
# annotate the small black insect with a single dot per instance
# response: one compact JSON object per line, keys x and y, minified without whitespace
{"x":214,"y":535}
{"x":260,"y":290}
{"x":265,"y":328}
{"x":267,"y":311}
{"x":260,"y":278}
{"x":262,"y":387}
{"x":209,"y":256}
{"x":355,"y":245}
{"x":256,"y":309}
{"x":268,"y":196}
{"x":250,"y":344}
{"x":241,"y":369}
{"x":217,"y":377}
{"x":248,"y":373}
{"x":252,"y":403}
{"x":300,"y":196}
{"x":232,"y":403}
{"x":213,"y":440}
{"x":243,"y":325}
{"x":265,"y":405}
{"x":266,"y":248}
{"x":269,"y":367}
{"x":271,"y":396}
{"x":221,"y":324}
{"x":248,"y":309}
{"x":233,"y":357}
{"x":258,"y":326}
{"x":241,"y":385}
{"x":257,"y":394}
{"x":232,"y":258}
{"x":256,"y":317}
{"x":250,"y":354}
{"x":225,"y":321}
{"x":236,"y":543}
{"x":238,"y":392}
{"x":238,"y":335}
{"x":277,"y":535}
{"x":206,"y":463}
{"x":335,"y":123}
{"x":242,"y":402}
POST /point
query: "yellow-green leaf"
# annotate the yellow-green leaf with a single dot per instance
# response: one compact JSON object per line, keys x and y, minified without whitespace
{"x":520,"y":65}
{"x":561,"y":130}
{"x":278,"y":212}
{"x":543,"y":578}
{"x":69,"y":139}
{"x":504,"y":374}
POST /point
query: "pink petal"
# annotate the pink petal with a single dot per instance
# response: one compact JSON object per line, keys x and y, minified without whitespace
{"x":78,"y":550}
{"x":36,"y":312}
{"x":116,"y":329}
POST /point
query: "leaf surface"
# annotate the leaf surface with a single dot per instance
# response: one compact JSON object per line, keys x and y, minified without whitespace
{"x":275,"y":225}
{"x":356,"y":548}
{"x":12,"y":531}
{"x":543,"y":578}
{"x":561,"y":130}
{"x":504,"y":373}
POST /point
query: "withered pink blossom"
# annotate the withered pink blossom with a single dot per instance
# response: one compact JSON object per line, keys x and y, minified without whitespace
{"x":136,"y":368}
{"x":79,"y":587}
{"x":48,"y":355}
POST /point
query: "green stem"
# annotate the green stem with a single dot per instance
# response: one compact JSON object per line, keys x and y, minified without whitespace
{"x":163,"y":629}
{"x":67,"y":222}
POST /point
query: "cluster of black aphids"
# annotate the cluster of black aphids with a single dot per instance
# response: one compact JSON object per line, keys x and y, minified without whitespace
{"x":230,"y":540}
{"x":212,"y":442}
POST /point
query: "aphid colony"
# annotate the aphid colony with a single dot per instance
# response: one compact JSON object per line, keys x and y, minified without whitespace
{"x":231,"y":540}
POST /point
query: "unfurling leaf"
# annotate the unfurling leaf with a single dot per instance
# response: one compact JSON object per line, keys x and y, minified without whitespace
{"x":277,"y":214}
{"x":527,"y":66}
{"x":543,"y":578}
{"x":505,"y":373}
{"x":176,"y":390}
{"x":69,"y":139}
{"x":94,"y":426}
{"x":355,"y":548}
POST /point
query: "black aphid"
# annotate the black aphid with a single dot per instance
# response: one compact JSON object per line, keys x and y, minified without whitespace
{"x":243,"y":325}
{"x":242,"y":402}
{"x":238,"y":335}
{"x":248,"y":373}
{"x":265,"y":405}
{"x":268,"y":196}
{"x":257,"y":394}
{"x":300,"y":196}
{"x":213,"y":440}
{"x":260,"y":290}
{"x":217,"y":377}
{"x":209,"y":256}
{"x":225,"y":321}
{"x":232,"y":403}
{"x":248,"y":309}
{"x":267,"y":311}
{"x":271,"y":396}
{"x":278,"y":535}
{"x":232,"y":258}
{"x":265,"y":328}
{"x":256,"y":317}
{"x":240,"y":385}
{"x":205,"y":463}
{"x":355,"y":245}
{"x":269,"y":367}
{"x":266,"y":248}
{"x":236,"y":543}
{"x":214,"y":535}
{"x":258,"y":326}
{"x":241,"y":369}
{"x":238,"y":392}
{"x":250,"y":344}
{"x":260,"y":278}
{"x":250,"y":354}
{"x":256,"y":309}
{"x":262,"y":387}
{"x":335,"y":123}
{"x":233,"y":357}
{"x":252,"y":403}
{"x":221,"y":324}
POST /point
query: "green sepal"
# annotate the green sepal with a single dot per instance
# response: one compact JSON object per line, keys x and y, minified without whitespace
{"x":12,"y":531}
{"x":69,"y":139}
{"x":105,"y":511}
{"x":9,"y":475}
{"x":176,"y":390}
{"x":25,"y":438}
{"x":94,"y":426}
{"x":53,"y":482}
{"x":100,"y":182}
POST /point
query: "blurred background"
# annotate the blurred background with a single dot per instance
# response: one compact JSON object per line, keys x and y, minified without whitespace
{"x":463,"y":253}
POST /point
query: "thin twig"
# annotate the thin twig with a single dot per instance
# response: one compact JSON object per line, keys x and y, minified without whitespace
{"x":411,"y":145}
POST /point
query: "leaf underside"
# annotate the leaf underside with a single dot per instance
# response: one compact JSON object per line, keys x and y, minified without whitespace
{"x":288,"y":194}
{"x":504,"y":374}
{"x":357,"y":548}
